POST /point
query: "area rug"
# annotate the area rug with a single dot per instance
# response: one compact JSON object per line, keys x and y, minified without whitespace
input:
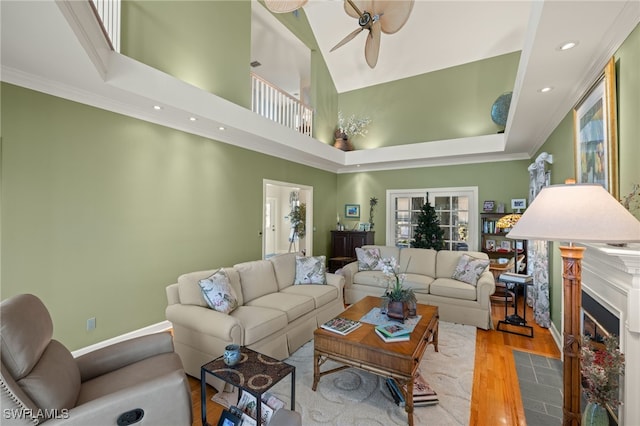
{"x":356,"y":397}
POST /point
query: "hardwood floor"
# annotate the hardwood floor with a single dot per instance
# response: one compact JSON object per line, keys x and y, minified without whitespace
{"x":496,"y":395}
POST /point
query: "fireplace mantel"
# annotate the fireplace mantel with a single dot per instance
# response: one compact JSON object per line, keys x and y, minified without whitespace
{"x":611,"y":275}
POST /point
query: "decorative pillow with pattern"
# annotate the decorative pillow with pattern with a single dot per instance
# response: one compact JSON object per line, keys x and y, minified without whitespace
{"x":310,"y":270}
{"x":369,"y":259}
{"x":218,"y":292}
{"x":469,"y":269}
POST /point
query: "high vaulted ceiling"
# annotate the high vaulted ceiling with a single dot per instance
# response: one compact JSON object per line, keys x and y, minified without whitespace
{"x":53,"y":47}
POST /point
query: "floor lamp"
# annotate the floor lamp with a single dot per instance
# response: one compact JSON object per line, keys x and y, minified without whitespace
{"x":574,"y":213}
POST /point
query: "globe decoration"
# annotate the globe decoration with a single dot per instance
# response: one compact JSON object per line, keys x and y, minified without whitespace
{"x":500,"y":109}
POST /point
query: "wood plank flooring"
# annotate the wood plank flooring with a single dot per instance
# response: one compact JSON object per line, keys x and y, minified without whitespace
{"x":495,"y":397}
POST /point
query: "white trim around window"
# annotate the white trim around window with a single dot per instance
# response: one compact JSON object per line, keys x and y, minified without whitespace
{"x":470,"y":192}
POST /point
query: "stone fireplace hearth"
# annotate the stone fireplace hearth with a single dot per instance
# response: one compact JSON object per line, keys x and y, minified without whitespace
{"x":611,"y":277}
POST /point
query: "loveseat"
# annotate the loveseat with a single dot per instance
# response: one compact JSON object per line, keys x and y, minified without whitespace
{"x":429,"y":273}
{"x":273,"y":316}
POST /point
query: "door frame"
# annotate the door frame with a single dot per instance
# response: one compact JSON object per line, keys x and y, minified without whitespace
{"x":309,"y":219}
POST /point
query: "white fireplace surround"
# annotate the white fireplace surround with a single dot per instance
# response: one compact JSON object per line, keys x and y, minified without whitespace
{"x":611,"y":275}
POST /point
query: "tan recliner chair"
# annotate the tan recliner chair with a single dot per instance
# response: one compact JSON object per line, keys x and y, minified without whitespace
{"x":139,"y":381}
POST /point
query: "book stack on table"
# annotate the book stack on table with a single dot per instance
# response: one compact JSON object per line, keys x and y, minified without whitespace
{"x":423,"y":394}
{"x":393,"y":332}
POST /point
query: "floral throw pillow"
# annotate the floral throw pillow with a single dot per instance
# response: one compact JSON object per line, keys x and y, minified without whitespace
{"x":310,"y":270}
{"x":218,"y":293}
{"x":469,"y":269}
{"x":369,"y":259}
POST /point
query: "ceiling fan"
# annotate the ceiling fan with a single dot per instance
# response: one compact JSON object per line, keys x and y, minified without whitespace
{"x":284,"y":6}
{"x":376,"y":16}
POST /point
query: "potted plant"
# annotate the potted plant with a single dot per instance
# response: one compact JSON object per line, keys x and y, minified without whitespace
{"x":373,"y":201}
{"x":399,"y":299}
{"x":601,"y":364}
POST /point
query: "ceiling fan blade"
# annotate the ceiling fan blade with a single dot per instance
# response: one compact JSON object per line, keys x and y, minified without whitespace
{"x":393,"y":14}
{"x":348,"y":38}
{"x":284,"y":6}
{"x":372,"y":46}
{"x":362,"y":5}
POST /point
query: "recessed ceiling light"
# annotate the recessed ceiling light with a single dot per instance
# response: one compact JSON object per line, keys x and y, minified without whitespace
{"x":192,"y":119}
{"x":568,"y":45}
{"x":157,"y":107}
{"x":221,"y":128}
{"x":546,"y":89}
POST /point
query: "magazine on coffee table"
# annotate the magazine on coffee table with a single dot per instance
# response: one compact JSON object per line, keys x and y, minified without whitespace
{"x":393,"y":330}
{"x":341,"y":325}
{"x":247,"y":404}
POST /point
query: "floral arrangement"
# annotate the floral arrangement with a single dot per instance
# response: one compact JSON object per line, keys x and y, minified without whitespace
{"x":351,"y":126}
{"x":601,"y":370}
{"x":395,"y":282}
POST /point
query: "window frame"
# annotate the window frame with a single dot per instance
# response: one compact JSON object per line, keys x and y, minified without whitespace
{"x":467,"y":191}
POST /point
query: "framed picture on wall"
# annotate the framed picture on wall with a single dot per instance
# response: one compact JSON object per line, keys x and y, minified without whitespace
{"x":364,"y":226}
{"x":594,"y":130}
{"x":352,"y":211}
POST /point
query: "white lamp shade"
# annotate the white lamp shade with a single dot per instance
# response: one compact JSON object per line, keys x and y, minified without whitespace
{"x":576,"y":213}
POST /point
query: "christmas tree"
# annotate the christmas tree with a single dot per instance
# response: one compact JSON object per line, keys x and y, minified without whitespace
{"x":428,"y":233}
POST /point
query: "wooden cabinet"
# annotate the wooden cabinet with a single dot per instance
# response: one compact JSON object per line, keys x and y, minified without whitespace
{"x":494,"y":242}
{"x":344,"y":244}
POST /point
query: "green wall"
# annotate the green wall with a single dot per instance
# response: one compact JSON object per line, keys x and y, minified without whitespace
{"x":101,"y":211}
{"x":446,"y":104}
{"x":211,"y":52}
{"x":499,"y":181}
{"x":560,"y":144}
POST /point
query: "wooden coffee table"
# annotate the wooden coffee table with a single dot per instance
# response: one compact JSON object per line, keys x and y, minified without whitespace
{"x":363,"y":349}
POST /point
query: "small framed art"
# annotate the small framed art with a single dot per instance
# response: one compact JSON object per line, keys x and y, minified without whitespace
{"x":488,"y":206}
{"x":352,"y":211}
{"x":505,"y":245}
{"x":364,"y":226}
{"x":490,"y":245}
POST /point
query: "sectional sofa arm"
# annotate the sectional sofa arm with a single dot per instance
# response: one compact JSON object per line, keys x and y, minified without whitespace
{"x":348,"y":271}
{"x":485,"y":287}
{"x":206,"y":321}
{"x":336,"y":281}
{"x":119,"y":355}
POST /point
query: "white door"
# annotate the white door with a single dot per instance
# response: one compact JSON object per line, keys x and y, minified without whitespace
{"x":270,"y":222}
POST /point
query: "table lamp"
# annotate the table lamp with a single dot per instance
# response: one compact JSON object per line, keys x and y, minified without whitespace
{"x":507,"y":223}
{"x":575,"y":213}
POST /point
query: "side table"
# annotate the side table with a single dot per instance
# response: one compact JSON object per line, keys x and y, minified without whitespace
{"x":255,"y":373}
{"x":513,"y":281}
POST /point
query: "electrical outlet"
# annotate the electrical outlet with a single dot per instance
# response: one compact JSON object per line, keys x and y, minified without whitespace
{"x":91,"y":324}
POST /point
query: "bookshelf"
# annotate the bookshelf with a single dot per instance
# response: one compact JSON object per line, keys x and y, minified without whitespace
{"x":494,"y":242}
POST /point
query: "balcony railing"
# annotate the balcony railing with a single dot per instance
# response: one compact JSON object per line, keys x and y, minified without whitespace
{"x":271,"y":102}
{"x":108,"y":12}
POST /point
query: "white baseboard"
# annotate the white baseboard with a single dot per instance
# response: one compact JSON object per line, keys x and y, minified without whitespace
{"x":557,"y":337}
{"x":153,"y":328}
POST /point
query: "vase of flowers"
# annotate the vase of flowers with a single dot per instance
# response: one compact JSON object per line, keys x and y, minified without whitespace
{"x":601,"y":365}
{"x":399,"y":299}
{"x":348,"y":127}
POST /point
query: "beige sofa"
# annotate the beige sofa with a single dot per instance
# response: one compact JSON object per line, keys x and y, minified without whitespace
{"x":429,"y":273}
{"x":274,"y":316}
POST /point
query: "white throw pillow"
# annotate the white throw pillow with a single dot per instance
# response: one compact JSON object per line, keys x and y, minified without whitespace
{"x":369,"y":259}
{"x":310,"y":270}
{"x":218,"y":292}
{"x":469,"y":269}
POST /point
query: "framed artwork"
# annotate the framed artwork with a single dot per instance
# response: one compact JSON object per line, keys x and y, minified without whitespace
{"x":505,"y":245}
{"x":490,"y":245}
{"x":487,"y":206}
{"x":518,"y":203}
{"x":352,"y":211}
{"x":594,"y":133}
